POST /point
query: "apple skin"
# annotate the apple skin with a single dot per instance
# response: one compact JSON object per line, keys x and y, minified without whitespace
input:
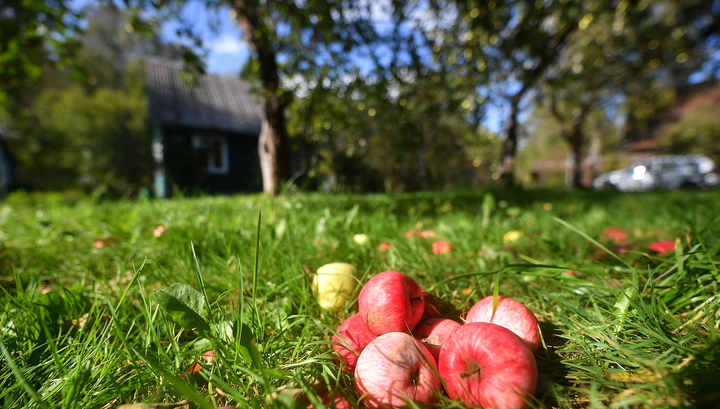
{"x":334,"y":284}
{"x":510,"y":314}
{"x":432,"y":308}
{"x":488,"y":365}
{"x":434,"y":332}
{"x":394,"y":369}
{"x":355,"y":336}
{"x":391,"y":302}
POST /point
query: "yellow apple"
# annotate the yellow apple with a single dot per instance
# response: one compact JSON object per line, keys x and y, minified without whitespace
{"x":334,"y":284}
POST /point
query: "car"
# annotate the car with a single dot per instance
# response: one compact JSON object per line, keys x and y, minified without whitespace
{"x":662,"y":172}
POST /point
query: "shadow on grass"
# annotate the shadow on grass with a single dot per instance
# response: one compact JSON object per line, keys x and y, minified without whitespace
{"x":553,"y":383}
{"x":700,"y":379}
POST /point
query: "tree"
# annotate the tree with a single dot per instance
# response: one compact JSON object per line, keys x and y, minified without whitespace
{"x":94,"y":137}
{"x":633,"y":49}
{"x":699,"y":132}
{"x":313,"y":40}
{"x":518,"y":41}
{"x":385,"y":135}
{"x":34,"y":33}
{"x":93,"y":131}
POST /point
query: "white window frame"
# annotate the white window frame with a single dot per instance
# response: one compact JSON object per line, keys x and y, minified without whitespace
{"x":207,"y":141}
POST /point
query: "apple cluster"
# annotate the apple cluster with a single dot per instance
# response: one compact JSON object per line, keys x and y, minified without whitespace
{"x":400,"y":350}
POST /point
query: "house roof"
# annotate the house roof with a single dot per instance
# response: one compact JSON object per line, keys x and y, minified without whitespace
{"x":217,"y":102}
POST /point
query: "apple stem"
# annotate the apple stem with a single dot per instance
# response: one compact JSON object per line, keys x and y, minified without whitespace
{"x":416,"y":298}
{"x":470,"y":373}
{"x":415,"y":378}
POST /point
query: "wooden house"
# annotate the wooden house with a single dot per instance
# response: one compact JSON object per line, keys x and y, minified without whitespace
{"x":205,"y":135}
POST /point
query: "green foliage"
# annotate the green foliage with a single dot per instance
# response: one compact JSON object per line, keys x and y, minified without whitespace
{"x":698,"y":132}
{"x":184,"y":305}
{"x":395,"y":136}
{"x":34,"y":33}
{"x":98,"y":137}
{"x":92,"y":133}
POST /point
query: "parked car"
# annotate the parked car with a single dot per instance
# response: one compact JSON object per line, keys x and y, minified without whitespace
{"x":662,"y":172}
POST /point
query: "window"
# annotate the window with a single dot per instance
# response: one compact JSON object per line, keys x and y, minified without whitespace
{"x":213,"y":153}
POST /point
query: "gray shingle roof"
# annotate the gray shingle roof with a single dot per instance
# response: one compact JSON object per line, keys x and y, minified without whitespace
{"x":218,"y":102}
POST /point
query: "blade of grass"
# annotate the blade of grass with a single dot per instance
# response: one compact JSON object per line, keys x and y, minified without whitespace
{"x":20,"y":378}
{"x":591,"y":240}
{"x":496,"y":295}
{"x":201,"y":282}
{"x":255,"y":270}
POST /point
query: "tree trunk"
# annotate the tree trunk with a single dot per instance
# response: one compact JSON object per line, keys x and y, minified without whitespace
{"x":422,"y":170}
{"x":273,"y":145}
{"x":576,"y":140}
{"x":507,"y":163}
{"x":273,"y":149}
{"x":594,"y":155}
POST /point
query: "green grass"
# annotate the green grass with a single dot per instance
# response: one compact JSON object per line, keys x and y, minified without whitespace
{"x":82,"y":327}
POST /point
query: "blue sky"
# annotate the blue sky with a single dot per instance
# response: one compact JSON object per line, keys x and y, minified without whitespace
{"x":228,"y":52}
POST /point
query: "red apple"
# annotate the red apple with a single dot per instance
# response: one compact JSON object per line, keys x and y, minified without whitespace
{"x":441,"y":247}
{"x":391,"y":302}
{"x":510,"y":314}
{"x":432,"y":308}
{"x":488,"y":365}
{"x":354,"y":337}
{"x":394,"y":369}
{"x":434,"y":332}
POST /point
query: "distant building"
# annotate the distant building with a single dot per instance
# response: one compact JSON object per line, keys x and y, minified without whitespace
{"x":7,"y":167}
{"x":205,"y":136}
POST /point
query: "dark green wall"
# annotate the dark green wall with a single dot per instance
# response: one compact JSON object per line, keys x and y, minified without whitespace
{"x":183,"y":172}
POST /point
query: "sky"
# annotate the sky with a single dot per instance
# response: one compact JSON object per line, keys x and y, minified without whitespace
{"x":228,"y":51}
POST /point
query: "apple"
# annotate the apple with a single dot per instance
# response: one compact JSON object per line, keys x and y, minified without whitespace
{"x":195,"y":367}
{"x":434,"y":332}
{"x":354,"y":337}
{"x":334,"y":284}
{"x":432,"y":308}
{"x":395,"y":369}
{"x":510,"y":314}
{"x":391,"y":302}
{"x":487,"y":365}
{"x":441,"y":247}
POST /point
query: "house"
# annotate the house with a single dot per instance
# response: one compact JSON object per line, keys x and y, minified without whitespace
{"x":7,"y":167}
{"x":205,"y":135}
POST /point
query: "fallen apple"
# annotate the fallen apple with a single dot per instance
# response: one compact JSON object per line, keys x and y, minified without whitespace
{"x":487,"y":365}
{"x":510,"y":314}
{"x":354,"y":337}
{"x":395,"y":369}
{"x":432,"y":307}
{"x":195,"y":367}
{"x":334,"y":284}
{"x":434,"y":332}
{"x":391,"y":302}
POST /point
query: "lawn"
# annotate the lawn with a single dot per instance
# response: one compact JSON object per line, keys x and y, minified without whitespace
{"x":88,"y":319}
